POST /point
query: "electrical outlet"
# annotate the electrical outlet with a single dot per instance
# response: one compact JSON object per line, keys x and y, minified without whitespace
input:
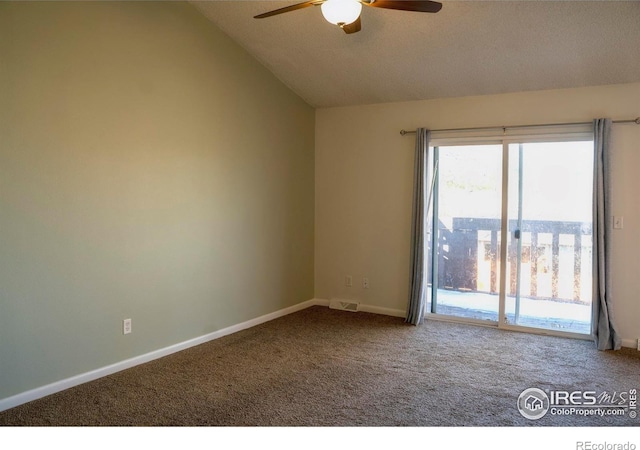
{"x":126,"y":326}
{"x":365,"y":283}
{"x":348,"y":281}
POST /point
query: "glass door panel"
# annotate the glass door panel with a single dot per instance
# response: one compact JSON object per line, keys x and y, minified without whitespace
{"x":549,"y":266}
{"x":465,"y":254}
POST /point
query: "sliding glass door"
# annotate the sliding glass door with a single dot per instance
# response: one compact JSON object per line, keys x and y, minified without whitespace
{"x":536,"y":197}
{"x":467,"y":211}
{"x":549,"y":282}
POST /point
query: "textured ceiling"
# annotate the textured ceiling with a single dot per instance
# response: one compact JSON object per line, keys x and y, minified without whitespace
{"x":468,"y":48}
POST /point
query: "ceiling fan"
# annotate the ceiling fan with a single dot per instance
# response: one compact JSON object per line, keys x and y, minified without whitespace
{"x":346,"y":13}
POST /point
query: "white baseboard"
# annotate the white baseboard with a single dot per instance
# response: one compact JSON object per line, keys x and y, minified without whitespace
{"x":368,"y":308}
{"x":43,"y":391}
{"x":631,"y":343}
{"x":321,"y":302}
{"x":383,"y":311}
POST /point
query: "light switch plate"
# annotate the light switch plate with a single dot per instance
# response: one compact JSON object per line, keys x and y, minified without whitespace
{"x":618,"y":222}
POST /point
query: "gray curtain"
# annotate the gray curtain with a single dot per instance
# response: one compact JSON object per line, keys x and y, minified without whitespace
{"x":422,"y":174}
{"x":603,"y":329}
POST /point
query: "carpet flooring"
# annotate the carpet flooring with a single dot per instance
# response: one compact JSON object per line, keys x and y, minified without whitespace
{"x":322,"y":367}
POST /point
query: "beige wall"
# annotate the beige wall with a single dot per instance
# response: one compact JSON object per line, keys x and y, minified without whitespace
{"x":364,"y":181}
{"x":149,"y":169}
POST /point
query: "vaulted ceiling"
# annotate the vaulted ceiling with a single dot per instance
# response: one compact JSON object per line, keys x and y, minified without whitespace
{"x":468,"y":48}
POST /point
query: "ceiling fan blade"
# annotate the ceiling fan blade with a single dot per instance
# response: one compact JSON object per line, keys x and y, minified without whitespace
{"x":288,"y":9}
{"x":415,"y":5}
{"x":353,"y":27}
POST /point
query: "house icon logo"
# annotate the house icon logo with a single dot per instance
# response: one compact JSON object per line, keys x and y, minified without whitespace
{"x":533,"y":403}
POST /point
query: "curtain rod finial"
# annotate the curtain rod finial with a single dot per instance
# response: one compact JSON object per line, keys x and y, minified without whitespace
{"x":637,"y":121}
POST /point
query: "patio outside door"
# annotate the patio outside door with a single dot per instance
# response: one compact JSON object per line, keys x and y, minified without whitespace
{"x":537,"y":197}
{"x":549,"y":282}
{"x":465,"y":256}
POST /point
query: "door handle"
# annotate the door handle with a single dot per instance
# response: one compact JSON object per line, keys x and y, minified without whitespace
{"x":516,"y":234}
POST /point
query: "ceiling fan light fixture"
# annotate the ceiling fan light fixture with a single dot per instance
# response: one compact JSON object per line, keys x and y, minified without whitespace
{"x":341,"y":12}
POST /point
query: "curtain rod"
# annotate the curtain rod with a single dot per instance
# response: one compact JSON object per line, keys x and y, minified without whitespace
{"x":636,"y":121}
